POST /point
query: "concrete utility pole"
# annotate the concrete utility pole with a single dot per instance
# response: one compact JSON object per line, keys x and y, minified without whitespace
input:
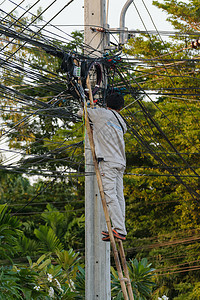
{"x":97,"y":253}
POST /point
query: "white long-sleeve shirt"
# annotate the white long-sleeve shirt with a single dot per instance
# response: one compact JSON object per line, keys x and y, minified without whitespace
{"x":108,"y":135}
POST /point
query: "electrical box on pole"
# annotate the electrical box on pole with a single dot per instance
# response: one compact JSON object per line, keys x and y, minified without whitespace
{"x":97,"y":252}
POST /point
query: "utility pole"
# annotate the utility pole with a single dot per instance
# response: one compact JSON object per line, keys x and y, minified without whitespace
{"x":97,"y":252}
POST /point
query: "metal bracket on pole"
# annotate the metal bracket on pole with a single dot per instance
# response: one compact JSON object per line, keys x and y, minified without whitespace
{"x":122,"y":30}
{"x":122,"y":35}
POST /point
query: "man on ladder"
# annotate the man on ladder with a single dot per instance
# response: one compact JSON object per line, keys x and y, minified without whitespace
{"x":108,"y":131}
{"x":108,"y":151}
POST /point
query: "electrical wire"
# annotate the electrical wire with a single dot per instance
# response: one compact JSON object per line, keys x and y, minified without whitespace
{"x":168,"y":158}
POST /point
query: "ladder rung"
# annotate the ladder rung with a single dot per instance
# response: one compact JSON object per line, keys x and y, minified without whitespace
{"x":123,"y":279}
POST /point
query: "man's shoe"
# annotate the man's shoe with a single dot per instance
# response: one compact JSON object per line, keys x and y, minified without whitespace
{"x":105,"y":233}
{"x":116,"y":235}
{"x":106,"y":239}
{"x":119,"y":235}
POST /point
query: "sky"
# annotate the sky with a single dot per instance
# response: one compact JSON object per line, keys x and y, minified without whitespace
{"x":74,"y":14}
{"x":72,"y":17}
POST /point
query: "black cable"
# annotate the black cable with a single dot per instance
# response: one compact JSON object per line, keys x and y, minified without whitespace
{"x":193,"y":193}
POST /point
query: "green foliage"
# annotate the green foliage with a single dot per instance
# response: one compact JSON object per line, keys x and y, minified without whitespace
{"x":61,"y":274}
{"x":54,"y":219}
{"x":182,"y":15}
{"x":9,"y":231}
{"x":64,"y":223}
{"x":27,"y":246}
{"x":59,"y":277}
{"x":80,"y":284}
{"x":69,"y":261}
{"x":19,"y":283}
{"x":14,"y":188}
{"x":54,"y":235}
{"x":141,"y":276}
{"x":49,"y":241}
{"x":188,"y":291}
{"x":77,"y":41}
{"x":9,"y":284}
{"x":48,"y":274}
{"x":58,"y":272}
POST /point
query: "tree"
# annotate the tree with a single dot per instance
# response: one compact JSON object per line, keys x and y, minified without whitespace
{"x":43,"y":133}
{"x":163,"y":202}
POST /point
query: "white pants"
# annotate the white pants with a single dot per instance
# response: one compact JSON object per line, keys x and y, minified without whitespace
{"x":112,"y":179}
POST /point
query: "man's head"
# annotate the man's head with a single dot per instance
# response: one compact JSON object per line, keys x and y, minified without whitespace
{"x":115,"y":101}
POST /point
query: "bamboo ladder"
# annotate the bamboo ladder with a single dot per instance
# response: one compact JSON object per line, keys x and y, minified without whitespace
{"x":124,"y":281}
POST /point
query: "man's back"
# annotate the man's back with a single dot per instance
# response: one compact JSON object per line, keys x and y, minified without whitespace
{"x":108,"y":130}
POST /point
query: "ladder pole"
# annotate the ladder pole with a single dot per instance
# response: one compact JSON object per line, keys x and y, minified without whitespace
{"x":102,"y":195}
{"x":125,"y":268}
{"x":90,"y":91}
